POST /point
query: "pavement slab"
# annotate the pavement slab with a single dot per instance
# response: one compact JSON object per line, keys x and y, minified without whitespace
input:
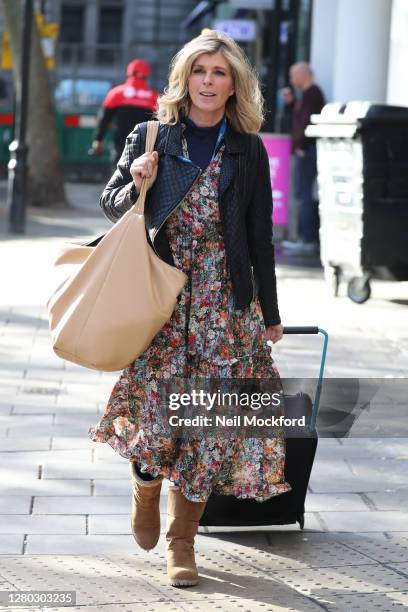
{"x":365,"y":521}
{"x":49,"y":524}
{"x":29,"y":486}
{"x":11,"y":544}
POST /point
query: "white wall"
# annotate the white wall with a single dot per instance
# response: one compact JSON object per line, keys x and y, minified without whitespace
{"x":323,"y":43}
{"x":361,"y":55}
{"x":349,"y":51}
{"x":397,"y":91}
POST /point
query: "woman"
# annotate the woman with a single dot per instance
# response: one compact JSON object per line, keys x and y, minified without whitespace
{"x":208,"y":212}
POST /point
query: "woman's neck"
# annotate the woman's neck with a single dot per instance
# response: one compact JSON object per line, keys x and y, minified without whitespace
{"x":205,"y":119}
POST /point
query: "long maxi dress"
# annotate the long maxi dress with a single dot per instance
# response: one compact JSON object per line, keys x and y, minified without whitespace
{"x":208,"y":339}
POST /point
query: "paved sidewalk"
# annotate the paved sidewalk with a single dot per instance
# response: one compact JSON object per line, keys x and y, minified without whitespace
{"x":64,"y":504}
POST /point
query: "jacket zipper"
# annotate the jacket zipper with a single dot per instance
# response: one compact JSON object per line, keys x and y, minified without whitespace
{"x":177,"y":205}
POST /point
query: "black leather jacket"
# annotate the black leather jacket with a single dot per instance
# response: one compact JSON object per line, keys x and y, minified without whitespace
{"x":245,"y":201}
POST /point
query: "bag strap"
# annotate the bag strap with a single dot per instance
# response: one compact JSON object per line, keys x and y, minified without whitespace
{"x":151,"y":135}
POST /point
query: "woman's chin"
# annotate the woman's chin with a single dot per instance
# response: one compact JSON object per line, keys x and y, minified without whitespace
{"x":208,"y":107}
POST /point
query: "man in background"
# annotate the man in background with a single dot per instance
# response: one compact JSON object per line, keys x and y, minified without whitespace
{"x":311,"y":102}
{"x":126,"y":105}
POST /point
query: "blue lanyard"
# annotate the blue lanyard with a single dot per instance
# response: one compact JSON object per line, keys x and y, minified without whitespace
{"x":217,"y":144}
{"x":219,"y":137}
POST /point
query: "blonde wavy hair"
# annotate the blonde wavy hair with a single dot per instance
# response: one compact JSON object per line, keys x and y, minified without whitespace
{"x":244,"y":109}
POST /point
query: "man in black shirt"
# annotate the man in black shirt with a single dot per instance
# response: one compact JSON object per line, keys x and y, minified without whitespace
{"x":304,"y":148}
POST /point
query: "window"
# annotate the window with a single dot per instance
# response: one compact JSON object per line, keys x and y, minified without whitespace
{"x":71,"y":36}
{"x":110,"y":25}
{"x":72,"y":24}
{"x":110,"y":34}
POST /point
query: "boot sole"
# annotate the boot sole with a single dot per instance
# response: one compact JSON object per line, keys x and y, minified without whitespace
{"x":182,"y":583}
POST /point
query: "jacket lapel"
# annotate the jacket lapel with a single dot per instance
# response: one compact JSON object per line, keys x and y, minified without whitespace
{"x":235,"y":143}
{"x":172,"y":141}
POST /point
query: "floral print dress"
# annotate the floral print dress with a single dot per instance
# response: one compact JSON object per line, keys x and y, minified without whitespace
{"x":204,"y":338}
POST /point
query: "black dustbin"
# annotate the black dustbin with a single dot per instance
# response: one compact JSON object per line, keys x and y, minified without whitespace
{"x":362,"y":159}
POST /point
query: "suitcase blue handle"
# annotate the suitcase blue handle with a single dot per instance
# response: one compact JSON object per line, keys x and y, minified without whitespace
{"x":313,"y":330}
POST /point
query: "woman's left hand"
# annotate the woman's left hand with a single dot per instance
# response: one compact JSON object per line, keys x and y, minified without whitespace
{"x":274,"y":333}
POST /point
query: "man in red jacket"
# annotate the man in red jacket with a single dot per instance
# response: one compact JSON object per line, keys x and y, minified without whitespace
{"x":126,"y":105}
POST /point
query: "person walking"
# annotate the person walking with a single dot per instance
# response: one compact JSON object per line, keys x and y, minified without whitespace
{"x":219,"y":232}
{"x":304,"y":148}
{"x":125,"y":106}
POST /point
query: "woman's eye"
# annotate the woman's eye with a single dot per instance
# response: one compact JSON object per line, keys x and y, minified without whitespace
{"x":197,"y":70}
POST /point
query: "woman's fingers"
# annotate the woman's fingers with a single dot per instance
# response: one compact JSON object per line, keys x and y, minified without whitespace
{"x":274,"y":333}
{"x":147,"y":169}
{"x":144,"y":167}
{"x":146,"y":164}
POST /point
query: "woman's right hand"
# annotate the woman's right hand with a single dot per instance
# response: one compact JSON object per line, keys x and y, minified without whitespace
{"x":145,"y":166}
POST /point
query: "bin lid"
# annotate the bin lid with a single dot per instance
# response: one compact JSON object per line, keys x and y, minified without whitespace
{"x":338,"y":120}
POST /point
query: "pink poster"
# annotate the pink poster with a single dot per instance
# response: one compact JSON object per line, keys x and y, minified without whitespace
{"x":278,"y":148}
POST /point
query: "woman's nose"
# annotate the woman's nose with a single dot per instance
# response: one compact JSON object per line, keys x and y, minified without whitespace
{"x":207,"y":77}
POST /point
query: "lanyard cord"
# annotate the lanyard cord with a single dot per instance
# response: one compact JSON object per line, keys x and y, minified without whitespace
{"x":219,"y":137}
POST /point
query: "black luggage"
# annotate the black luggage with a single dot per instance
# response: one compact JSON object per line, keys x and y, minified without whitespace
{"x":287,"y":508}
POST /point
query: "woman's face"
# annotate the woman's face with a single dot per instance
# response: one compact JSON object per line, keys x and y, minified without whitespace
{"x":210,"y":85}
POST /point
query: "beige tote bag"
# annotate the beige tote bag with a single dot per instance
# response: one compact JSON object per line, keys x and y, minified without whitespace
{"x":109,"y":301}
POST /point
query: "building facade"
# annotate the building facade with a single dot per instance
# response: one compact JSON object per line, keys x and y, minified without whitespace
{"x":359,"y":49}
{"x":98,"y":38}
{"x":273,"y":33}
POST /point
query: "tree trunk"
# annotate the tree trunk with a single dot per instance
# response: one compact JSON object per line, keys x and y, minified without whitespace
{"x":45,"y":176}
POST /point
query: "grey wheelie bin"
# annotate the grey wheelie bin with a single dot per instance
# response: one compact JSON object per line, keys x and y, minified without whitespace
{"x":362,"y":159}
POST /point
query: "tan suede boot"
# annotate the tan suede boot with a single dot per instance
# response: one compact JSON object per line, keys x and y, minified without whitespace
{"x":145,"y":519}
{"x":182,"y":525}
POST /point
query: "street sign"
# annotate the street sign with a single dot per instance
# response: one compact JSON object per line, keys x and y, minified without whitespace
{"x":238,"y":29}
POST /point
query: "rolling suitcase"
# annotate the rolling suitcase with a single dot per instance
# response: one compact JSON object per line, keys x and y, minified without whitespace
{"x":287,"y":508}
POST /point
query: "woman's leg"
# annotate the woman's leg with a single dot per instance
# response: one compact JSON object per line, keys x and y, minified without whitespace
{"x":183,"y":517}
{"x":143,"y":475}
{"x":145,"y":508}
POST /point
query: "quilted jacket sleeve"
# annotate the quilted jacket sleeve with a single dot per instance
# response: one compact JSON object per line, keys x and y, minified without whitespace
{"x":120,"y":193}
{"x":259,"y":227}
